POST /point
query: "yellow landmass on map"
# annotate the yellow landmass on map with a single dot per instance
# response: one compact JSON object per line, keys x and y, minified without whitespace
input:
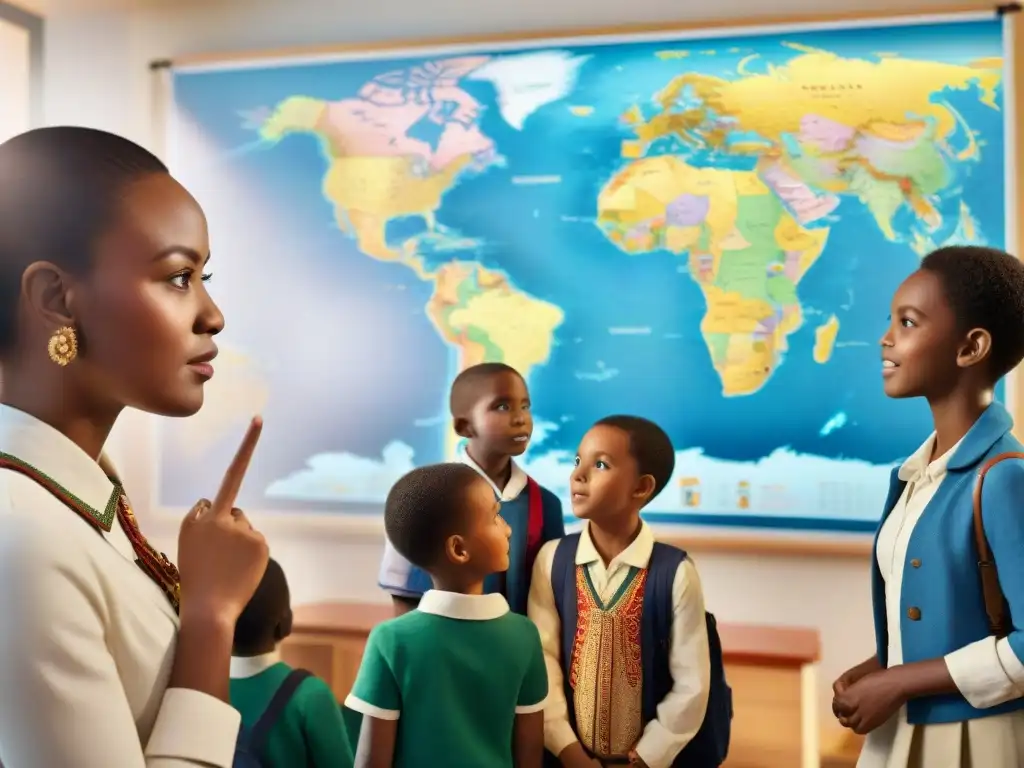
{"x":825,"y":340}
{"x":485,"y":319}
{"x":477,"y":311}
{"x":966,"y":233}
{"x":367,"y":192}
{"x":581,"y":110}
{"x":294,"y":114}
{"x":854,"y":92}
{"x":992,"y":62}
{"x":745,"y":251}
{"x":669,"y":55}
{"x":879,"y":130}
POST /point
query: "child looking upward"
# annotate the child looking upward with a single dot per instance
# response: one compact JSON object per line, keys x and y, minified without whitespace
{"x":306,"y":726}
{"x":461,"y":681}
{"x":942,"y":687}
{"x":490,"y":406}
{"x":633,"y":660}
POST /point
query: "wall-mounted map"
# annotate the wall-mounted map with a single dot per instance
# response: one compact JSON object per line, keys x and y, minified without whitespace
{"x":706,"y":232}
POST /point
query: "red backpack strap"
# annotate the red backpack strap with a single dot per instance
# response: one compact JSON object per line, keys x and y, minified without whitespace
{"x":535,"y":522}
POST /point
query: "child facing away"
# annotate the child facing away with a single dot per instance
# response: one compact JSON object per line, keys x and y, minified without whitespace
{"x":460,"y":682}
{"x":490,"y":407}
{"x":634,"y":662}
{"x":289,"y":717}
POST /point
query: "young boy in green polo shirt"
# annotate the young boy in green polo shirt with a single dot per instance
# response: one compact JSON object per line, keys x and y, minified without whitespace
{"x":461,"y":681}
{"x":308,"y":729}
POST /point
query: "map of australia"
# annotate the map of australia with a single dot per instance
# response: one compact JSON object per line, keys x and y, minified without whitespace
{"x":704,"y":232}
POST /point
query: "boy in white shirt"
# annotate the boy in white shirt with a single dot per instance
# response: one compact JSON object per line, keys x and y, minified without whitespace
{"x":632,"y":657}
{"x":491,"y":409}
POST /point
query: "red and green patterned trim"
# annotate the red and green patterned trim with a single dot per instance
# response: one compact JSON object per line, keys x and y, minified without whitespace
{"x":102,"y":520}
{"x":156,"y":565}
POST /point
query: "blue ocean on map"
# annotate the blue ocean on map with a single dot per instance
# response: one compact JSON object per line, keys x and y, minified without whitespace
{"x":380,"y":220}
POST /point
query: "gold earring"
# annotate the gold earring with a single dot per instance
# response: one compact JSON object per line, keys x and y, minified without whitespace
{"x":63,"y":346}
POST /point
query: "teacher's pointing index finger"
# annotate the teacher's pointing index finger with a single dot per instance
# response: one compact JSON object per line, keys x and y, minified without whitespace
{"x":232,"y":483}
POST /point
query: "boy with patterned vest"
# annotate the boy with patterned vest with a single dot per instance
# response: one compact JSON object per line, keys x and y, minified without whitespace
{"x":491,"y":410}
{"x":634,"y":662}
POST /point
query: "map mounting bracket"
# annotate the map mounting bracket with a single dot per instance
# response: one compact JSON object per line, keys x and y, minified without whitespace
{"x":1005,"y":8}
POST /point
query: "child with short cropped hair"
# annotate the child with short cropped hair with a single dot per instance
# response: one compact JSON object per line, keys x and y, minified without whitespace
{"x":491,"y":409}
{"x":634,"y":662}
{"x":460,"y":681}
{"x":942,"y":687}
{"x":305,"y":725}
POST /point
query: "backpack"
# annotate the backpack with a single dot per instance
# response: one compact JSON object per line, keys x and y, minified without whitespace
{"x":710,"y":746}
{"x":252,"y":742}
{"x":996,"y":607}
{"x":534,"y":522}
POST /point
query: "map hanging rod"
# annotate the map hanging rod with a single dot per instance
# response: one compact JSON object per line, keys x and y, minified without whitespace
{"x":158,"y":64}
{"x":1005,"y":8}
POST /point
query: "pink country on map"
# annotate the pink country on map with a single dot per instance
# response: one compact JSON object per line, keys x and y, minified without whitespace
{"x":377,"y":123}
{"x":806,"y":204}
{"x":827,"y":135}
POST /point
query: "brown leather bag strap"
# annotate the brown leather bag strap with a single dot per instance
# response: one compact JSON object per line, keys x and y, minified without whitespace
{"x":995,"y":601}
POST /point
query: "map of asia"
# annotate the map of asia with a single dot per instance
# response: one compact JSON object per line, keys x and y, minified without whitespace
{"x":706,"y":232}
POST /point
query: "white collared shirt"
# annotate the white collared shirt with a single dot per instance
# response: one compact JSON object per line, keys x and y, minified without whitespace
{"x":987,"y":672}
{"x":250,"y":666}
{"x":455,"y":605}
{"x":451,"y":605}
{"x":681,"y":713}
{"x":395,"y":570}
{"x":87,"y":640}
{"x":516,"y":480}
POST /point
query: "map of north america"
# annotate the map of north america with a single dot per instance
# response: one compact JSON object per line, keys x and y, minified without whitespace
{"x":706,"y":232}
{"x":820,"y":127}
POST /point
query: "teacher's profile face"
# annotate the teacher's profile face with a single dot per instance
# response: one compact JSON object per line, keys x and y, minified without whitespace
{"x":146,"y":319}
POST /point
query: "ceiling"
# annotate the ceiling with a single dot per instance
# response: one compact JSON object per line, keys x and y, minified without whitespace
{"x":53,"y":7}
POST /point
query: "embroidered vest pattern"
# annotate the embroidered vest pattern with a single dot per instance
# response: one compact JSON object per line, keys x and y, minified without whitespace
{"x":606,"y":668}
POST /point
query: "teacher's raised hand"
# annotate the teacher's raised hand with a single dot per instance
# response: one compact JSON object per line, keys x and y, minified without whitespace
{"x":221,"y":558}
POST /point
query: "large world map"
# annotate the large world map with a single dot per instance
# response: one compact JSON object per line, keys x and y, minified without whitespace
{"x":704,"y":232}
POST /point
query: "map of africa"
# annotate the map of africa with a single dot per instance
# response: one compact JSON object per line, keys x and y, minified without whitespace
{"x":704,"y":232}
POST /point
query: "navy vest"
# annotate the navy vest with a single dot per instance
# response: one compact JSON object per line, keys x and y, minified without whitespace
{"x":708,"y":749}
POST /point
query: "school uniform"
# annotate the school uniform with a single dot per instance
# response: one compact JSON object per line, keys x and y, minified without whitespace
{"x":928,"y":604}
{"x":401,"y":578}
{"x":310,"y":730}
{"x":87,"y":638}
{"x":610,"y":660}
{"x":454,"y":674}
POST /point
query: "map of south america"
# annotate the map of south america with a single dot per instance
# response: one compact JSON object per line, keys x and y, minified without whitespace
{"x":393,"y":152}
{"x":706,"y":232}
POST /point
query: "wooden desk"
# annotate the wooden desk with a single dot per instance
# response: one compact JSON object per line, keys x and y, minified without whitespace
{"x":772,"y":671}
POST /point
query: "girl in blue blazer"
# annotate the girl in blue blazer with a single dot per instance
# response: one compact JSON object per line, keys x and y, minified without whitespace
{"x":944,"y":686}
